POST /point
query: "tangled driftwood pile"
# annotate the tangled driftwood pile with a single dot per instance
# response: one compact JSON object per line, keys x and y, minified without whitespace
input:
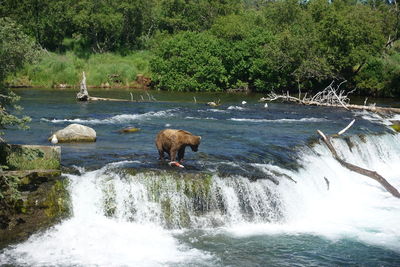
{"x":331,"y":96}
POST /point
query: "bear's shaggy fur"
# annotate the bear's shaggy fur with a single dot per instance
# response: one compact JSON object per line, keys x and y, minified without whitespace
{"x":174,"y":141}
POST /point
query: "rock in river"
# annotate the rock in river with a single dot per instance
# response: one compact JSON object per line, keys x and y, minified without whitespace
{"x":75,"y":133}
{"x":129,"y":130}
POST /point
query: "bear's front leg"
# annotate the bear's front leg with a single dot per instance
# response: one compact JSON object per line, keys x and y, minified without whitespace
{"x":161,"y":153}
{"x":181,"y":154}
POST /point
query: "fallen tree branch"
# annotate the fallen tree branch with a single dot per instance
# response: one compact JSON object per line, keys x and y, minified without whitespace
{"x":372,"y":174}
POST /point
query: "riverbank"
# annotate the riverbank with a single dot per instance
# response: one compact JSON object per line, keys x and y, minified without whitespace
{"x":113,"y":70}
{"x":102,"y":71}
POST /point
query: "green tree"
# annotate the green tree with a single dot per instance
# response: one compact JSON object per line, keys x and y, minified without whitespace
{"x":48,"y":21}
{"x":190,"y":62}
{"x":197,"y":15}
{"x":380,"y":76}
{"x":350,"y":36}
{"x":244,"y":36}
{"x":16,"y":48}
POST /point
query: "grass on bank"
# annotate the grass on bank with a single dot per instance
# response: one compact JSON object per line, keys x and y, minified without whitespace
{"x":54,"y":70}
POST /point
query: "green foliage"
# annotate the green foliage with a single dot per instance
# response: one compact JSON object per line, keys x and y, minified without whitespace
{"x":45,"y":20}
{"x":380,"y":76}
{"x":350,"y":36}
{"x":9,"y":192}
{"x":215,"y":44}
{"x":180,"y":15}
{"x":280,"y":45}
{"x":19,"y":157}
{"x":16,"y":48}
{"x":118,"y":25}
{"x":31,"y":160}
{"x":190,"y":62}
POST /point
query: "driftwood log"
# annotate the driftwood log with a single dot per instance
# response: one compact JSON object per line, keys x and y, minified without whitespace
{"x":331,"y":96}
{"x":92,"y":98}
{"x":83,"y":94}
{"x":371,"y":174}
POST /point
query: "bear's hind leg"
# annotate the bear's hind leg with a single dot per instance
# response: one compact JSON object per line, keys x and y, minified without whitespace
{"x":173,"y":154}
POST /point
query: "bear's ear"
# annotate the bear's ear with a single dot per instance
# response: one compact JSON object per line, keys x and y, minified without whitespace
{"x":199,"y":137}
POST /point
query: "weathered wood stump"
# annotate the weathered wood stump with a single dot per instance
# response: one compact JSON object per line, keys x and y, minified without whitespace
{"x":83,"y":94}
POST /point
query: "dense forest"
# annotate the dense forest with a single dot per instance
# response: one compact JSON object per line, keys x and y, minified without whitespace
{"x":213,"y":45}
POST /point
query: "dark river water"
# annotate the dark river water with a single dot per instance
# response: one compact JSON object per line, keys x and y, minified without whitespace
{"x":255,"y":215}
{"x":231,"y":132}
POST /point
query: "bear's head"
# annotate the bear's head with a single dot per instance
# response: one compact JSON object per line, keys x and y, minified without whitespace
{"x":195,"y":143}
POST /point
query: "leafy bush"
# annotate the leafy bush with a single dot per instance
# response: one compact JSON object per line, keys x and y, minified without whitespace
{"x":16,"y":48}
{"x":190,"y":62}
{"x":380,"y":76}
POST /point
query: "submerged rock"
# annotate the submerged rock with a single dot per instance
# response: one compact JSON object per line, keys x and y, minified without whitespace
{"x":129,"y":130}
{"x":396,"y":126}
{"x":75,"y":133}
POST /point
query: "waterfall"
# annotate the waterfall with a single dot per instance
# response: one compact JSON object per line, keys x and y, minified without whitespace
{"x":176,"y":201}
{"x":353,"y":206}
{"x":125,"y":218}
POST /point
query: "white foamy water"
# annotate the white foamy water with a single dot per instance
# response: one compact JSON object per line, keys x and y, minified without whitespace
{"x":214,"y":110}
{"x":377,"y":118}
{"x":198,"y":118}
{"x":354,"y":207}
{"x":122,"y":220}
{"x":281,"y":120}
{"x":90,"y":238}
{"x":236,"y":108}
{"x":123,"y":118}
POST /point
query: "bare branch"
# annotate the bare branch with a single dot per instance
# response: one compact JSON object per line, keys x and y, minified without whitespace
{"x":346,"y":128}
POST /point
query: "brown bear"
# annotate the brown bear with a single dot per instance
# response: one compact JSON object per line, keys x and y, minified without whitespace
{"x":174,"y":141}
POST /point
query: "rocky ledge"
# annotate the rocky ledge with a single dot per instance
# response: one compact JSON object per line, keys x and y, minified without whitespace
{"x":33,"y":193}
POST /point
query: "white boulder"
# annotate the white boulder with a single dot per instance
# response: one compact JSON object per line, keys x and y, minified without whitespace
{"x":75,"y":133}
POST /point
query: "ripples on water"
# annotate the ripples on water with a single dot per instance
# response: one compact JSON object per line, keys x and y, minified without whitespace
{"x":267,"y":202}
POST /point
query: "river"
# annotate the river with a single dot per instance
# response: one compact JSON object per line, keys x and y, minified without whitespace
{"x":265,"y":192}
